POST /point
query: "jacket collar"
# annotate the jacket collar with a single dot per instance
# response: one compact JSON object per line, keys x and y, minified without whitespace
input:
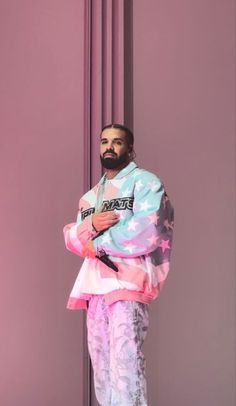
{"x":123,"y":172}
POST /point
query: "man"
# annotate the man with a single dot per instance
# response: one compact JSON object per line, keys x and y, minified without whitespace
{"x":124,"y":232}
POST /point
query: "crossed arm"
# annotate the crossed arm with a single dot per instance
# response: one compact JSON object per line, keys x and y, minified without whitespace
{"x":101,"y":221}
{"x":140,"y":234}
{"x":79,"y":236}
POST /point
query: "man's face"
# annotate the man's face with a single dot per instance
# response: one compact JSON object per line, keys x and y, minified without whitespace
{"x":114,"y":150}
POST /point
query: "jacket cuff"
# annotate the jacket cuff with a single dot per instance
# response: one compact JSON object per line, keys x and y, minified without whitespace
{"x":92,"y":232}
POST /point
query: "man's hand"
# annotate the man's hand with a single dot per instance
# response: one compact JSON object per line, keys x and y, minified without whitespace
{"x":103,"y":220}
{"x":89,"y":250}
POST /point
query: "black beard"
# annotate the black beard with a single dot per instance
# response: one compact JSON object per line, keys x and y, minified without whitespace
{"x":113,"y":163}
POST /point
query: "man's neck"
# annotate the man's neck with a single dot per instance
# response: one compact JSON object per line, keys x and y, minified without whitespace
{"x":111,"y":173}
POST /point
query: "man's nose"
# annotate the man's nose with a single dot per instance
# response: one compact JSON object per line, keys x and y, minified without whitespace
{"x":110,"y":146}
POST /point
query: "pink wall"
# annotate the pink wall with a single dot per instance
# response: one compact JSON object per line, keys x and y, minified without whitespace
{"x":184,"y":124}
{"x":41,"y":85}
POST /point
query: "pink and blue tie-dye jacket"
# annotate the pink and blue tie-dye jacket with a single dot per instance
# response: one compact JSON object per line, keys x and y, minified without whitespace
{"x":139,"y":244}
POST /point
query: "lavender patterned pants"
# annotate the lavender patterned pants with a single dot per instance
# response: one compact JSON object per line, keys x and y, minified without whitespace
{"x":115,"y":335}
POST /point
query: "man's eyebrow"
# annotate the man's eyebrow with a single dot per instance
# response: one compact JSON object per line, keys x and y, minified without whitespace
{"x":114,"y":139}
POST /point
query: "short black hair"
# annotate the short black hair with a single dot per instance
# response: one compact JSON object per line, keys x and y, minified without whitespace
{"x":127,"y":131}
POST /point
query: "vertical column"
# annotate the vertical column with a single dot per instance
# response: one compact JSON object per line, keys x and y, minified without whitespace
{"x":118,"y":62}
{"x":108,"y":76}
{"x":96,"y":94}
{"x":87,"y":92}
{"x":107,"y":54}
{"x":87,"y":172}
{"x":108,"y":86}
{"x":128,"y":64}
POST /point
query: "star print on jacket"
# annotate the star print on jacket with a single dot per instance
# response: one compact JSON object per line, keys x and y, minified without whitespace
{"x":139,"y":244}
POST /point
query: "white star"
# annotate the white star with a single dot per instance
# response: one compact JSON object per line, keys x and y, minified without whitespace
{"x":153,"y":186}
{"x":132,"y":225}
{"x":153,"y":239}
{"x":138,"y":185}
{"x":144,"y":205}
{"x":106,"y":239}
{"x":130,"y":247}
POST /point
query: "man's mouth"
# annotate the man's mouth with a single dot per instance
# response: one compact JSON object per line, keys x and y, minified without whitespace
{"x":109,"y":155}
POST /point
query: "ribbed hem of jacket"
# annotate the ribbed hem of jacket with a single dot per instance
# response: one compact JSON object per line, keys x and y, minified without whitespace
{"x":76,"y":304}
{"x":112,"y":297}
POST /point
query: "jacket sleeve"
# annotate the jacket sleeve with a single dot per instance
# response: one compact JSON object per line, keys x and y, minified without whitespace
{"x":77,"y":234}
{"x":149,"y":227}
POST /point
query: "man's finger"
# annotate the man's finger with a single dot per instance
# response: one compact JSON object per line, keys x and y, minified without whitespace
{"x":108,"y":220}
{"x":110,"y":223}
{"x":109,"y":214}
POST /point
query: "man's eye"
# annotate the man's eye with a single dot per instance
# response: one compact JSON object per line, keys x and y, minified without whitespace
{"x":103,"y":141}
{"x":119,"y":142}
